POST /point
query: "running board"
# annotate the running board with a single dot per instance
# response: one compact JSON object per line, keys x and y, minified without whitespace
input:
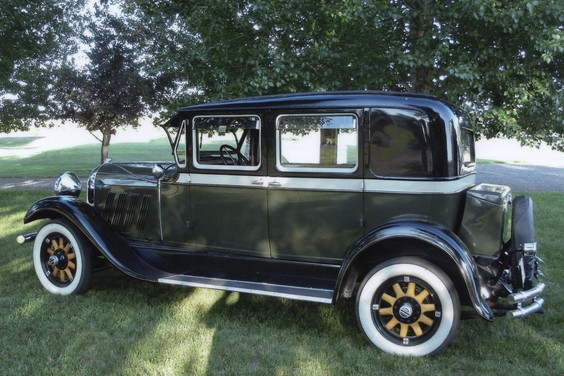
{"x":258,"y":288}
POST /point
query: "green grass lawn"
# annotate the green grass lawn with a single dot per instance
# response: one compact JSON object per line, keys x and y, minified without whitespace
{"x":80,"y":159}
{"x":123,"y":326}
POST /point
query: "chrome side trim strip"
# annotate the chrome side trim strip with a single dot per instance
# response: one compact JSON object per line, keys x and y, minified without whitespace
{"x":257,"y":288}
{"x":419,"y":186}
{"x":317,"y":184}
{"x":227,"y":180}
{"x":327,"y":184}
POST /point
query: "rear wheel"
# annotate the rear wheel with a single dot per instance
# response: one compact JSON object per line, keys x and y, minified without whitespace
{"x":62,"y":258}
{"x":407,"y":306}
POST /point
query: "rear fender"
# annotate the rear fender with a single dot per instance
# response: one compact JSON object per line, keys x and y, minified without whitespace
{"x":438,"y":237}
{"x":100,"y":234}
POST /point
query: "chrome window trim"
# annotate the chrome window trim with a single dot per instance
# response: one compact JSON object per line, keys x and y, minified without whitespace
{"x":182,"y":133}
{"x":334,"y":170}
{"x":200,"y":166}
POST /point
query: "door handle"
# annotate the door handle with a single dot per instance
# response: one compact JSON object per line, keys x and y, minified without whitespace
{"x":257,"y":182}
{"x":274,"y":184}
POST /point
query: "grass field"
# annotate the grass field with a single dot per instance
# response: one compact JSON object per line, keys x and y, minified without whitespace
{"x":123,"y":326}
{"x":79,"y":159}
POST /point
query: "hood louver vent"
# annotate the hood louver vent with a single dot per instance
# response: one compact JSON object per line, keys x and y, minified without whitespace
{"x":126,"y":211}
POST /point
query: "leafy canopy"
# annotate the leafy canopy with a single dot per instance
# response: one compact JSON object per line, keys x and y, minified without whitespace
{"x":109,"y":91}
{"x":36,"y":36}
{"x":500,"y":60}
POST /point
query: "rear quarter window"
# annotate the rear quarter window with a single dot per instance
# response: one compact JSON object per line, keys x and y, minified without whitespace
{"x":400,"y":143}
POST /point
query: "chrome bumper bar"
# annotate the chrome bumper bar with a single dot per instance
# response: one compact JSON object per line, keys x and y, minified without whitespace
{"x":521,"y":297}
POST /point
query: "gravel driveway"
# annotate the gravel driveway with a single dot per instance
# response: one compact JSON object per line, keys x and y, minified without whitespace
{"x":521,"y":178}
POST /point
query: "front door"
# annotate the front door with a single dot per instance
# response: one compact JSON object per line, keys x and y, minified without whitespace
{"x":227,"y":195}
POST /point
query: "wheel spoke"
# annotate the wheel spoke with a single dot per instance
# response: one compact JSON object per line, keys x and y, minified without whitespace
{"x":69,"y":274}
{"x":55,"y":272}
{"x":62,"y":276}
{"x":71,"y":265}
{"x":71,"y":256}
{"x":392,"y":324}
{"x":388,"y":298}
{"x":50,"y":251}
{"x":427,"y":308}
{"x":67,"y":247}
{"x":397,"y":289}
{"x":54,"y":244}
{"x":417,"y":329}
{"x":386,"y":311}
{"x":403,"y":330}
{"x":422,"y":296}
{"x":425,"y":320}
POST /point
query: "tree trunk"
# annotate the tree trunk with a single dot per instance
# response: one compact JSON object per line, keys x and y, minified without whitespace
{"x":420,"y":35}
{"x":106,"y":137}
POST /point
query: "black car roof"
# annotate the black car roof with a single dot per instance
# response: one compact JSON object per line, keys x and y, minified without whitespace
{"x":342,"y":99}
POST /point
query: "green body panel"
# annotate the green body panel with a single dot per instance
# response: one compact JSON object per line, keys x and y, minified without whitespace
{"x":486,"y":219}
{"x":176,"y":213}
{"x":380,"y":208}
{"x":230,"y":219}
{"x":313,"y":225}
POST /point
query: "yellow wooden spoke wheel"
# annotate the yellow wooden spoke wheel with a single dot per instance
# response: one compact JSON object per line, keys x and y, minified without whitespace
{"x":61,"y":258}
{"x":407,"y":306}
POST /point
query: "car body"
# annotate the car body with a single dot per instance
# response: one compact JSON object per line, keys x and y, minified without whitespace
{"x":310,"y":196}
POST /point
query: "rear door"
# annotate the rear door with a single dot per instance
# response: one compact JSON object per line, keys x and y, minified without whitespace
{"x":315,"y":202}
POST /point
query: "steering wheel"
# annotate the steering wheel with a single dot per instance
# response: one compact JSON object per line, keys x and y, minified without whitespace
{"x":228,"y":151}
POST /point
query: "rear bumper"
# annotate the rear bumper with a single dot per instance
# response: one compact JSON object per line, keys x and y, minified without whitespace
{"x":527,"y":302}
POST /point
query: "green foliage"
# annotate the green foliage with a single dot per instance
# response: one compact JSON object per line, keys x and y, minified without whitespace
{"x":123,"y":326}
{"x":502,"y":61}
{"x":110,"y":91}
{"x":36,"y":36}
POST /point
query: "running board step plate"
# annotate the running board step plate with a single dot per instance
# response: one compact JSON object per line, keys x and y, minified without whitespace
{"x":257,"y":288}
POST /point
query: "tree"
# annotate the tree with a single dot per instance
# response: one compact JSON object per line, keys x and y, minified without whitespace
{"x":500,"y":60}
{"x":36,"y":35}
{"x":109,"y":91}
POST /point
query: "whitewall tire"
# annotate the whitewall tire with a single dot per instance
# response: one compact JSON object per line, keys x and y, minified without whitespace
{"x":61,"y":258}
{"x":407,"y":306}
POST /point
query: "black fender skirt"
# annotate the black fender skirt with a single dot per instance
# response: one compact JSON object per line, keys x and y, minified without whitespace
{"x":107,"y":240}
{"x":440,"y":238}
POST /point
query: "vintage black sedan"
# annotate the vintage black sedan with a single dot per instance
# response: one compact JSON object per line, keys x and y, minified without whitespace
{"x":313,"y":196}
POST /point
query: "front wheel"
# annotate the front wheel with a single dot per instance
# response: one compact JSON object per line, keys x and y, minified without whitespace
{"x":62,"y":258}
{"x":407,"y":306}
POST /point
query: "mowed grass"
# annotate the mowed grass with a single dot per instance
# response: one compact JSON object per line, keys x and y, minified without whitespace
{"x":79,"y":159}
{"x":123,"y":326}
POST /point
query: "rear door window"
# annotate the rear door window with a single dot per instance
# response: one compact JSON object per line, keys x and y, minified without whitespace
{"x":317,"y":143}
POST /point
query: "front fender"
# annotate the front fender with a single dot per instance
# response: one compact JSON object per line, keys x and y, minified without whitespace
{"x":439,"y":237}
{"x":107,"y":240}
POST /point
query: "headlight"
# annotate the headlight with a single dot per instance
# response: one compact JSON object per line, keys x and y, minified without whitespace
{"x":68,"y":184}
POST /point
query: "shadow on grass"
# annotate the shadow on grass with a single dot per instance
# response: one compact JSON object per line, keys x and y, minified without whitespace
{"x":16,"y":142}
{"x":126,"y":326}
